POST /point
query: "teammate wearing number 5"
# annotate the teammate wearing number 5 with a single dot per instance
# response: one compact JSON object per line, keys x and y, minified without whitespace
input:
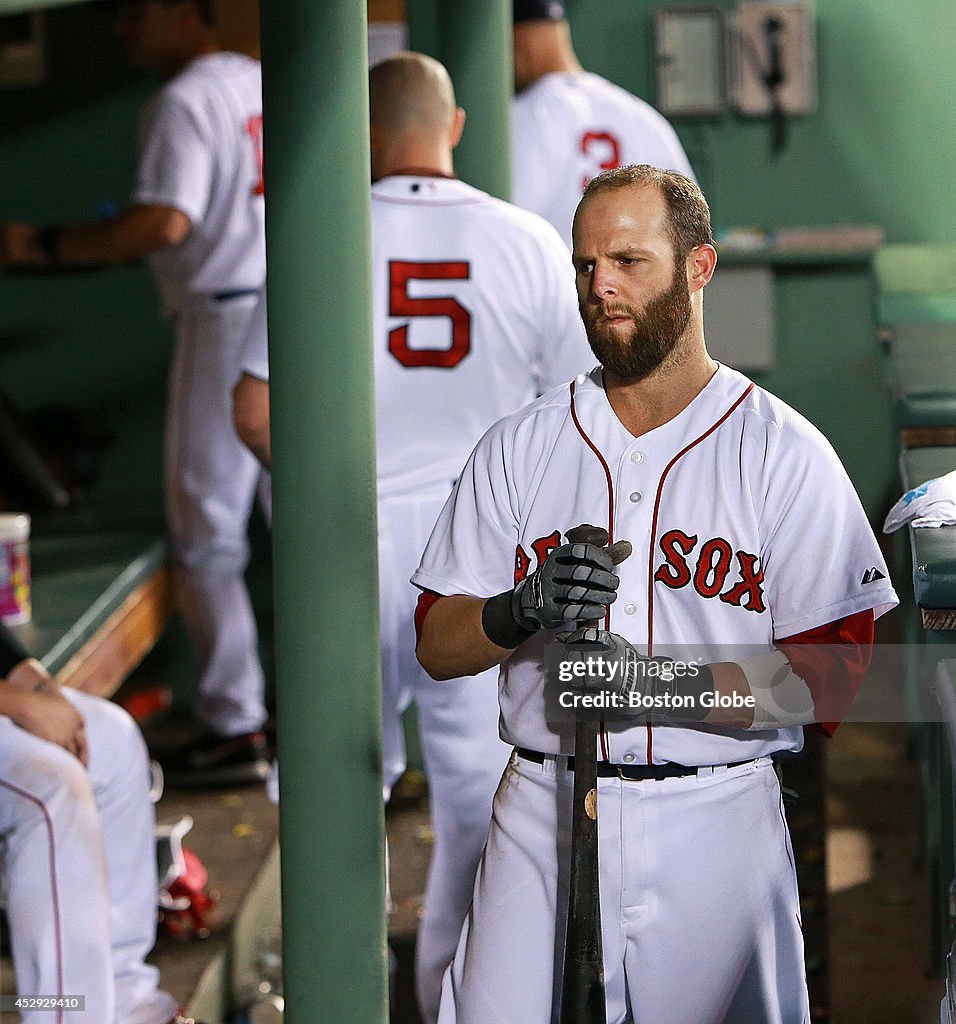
{"x":198,"y":216}
{"x":474,"y":313}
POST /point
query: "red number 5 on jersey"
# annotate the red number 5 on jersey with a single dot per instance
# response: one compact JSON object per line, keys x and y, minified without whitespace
{"x":400,"y":303}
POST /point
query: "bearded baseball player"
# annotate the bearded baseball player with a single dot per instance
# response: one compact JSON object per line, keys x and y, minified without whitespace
{"x":568,"y":125}
{"x":78,"y":852}
{"x":745,"y":531}
{"x":198,"y":217}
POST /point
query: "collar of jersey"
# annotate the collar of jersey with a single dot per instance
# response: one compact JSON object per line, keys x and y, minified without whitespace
{"x":592,"y":404}
{"x":399,"y":186}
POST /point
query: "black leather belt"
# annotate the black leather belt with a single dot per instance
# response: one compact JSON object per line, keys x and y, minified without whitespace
{"x":632,"y":772}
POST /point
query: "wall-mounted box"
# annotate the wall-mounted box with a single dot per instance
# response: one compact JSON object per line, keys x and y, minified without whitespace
{"x":689,"y":51}
{"x":774,"y":40}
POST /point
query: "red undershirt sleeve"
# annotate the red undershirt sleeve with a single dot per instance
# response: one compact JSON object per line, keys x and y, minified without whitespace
{"x":425,"y":601}
{"x":832,"y":660}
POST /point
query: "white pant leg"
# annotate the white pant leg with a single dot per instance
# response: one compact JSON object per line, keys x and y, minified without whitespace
{"x":458,"y":722}
{"x":55,"y":866}
{"x":211,"y":479}
{"x":698,"y":896}
{"x":119,"y":775}
{"x":710,"y":911}
{"x":464,"y":761}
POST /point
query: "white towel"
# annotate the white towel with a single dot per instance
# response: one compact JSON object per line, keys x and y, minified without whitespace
{"x":930,"y":505}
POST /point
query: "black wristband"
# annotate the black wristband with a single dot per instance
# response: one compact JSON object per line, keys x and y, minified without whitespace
{"x":47,"y":239}
{"x":12,"y":652}
{"x":694,"y":687}
{"x":499,"y":622}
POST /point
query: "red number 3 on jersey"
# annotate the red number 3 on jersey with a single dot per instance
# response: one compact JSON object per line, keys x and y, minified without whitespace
{"x":400,"y":303}
{"x":598,"y":145}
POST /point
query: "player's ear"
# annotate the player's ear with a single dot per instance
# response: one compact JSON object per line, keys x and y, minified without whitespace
{"x":458,"y":126}
{"x":701,"y":264}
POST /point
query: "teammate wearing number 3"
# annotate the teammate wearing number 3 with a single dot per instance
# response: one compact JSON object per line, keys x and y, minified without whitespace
{"x":568,"y":124}
{"x":745,"y":532}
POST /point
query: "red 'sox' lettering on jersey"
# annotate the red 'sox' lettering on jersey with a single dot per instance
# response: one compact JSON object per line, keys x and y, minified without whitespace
{"x":254,"y":131}
{"x":711,"y":571}
{"x":598,"y":145}
{"x":712,"y":567}
{"x":400,"y":303}
{"x":674,"y":572}
{"x":750,"y":585}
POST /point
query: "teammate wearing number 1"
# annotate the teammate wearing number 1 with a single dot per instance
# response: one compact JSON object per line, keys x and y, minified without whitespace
{"x":569,"y":125}
{"x":197,"y":215}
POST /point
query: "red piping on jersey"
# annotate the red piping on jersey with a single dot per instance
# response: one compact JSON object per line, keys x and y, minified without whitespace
{"x":650,"y":554}
{"x":610,"y":528}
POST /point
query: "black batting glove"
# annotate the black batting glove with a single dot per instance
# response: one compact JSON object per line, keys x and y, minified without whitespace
{"x":577,"y":581}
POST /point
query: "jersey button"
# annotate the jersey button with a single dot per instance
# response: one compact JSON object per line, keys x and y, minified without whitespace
{"x":630,"y":609}
{"x":635,"y":496}
{"x":628,"y":758}
{"x":637,"y":456}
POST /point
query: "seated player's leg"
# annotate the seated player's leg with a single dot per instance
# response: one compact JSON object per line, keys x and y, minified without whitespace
{"x":119,"y":775}
{"x":55,"y":866}
{"x":210,"y":483}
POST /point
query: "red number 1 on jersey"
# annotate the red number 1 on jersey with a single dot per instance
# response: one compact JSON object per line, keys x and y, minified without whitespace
{"x":254,"y":131}
{"x":400,"y":303}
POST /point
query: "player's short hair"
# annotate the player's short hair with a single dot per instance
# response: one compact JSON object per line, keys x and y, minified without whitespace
{"x":688,"y":213}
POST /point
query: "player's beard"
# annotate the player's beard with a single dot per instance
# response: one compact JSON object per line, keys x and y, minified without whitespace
{"x":653,"y":336}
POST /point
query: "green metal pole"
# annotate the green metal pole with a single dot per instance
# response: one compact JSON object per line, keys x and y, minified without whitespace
{"x":326,"y":576}
{"x":476,"y":47}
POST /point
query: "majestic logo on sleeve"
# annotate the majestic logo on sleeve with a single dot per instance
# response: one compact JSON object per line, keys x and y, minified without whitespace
{"x":542,"y":547}
{"x":871,"y":576}
{"x":714,"y":569}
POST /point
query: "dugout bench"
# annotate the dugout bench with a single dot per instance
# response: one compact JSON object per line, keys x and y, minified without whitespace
{"x":101,"y":588}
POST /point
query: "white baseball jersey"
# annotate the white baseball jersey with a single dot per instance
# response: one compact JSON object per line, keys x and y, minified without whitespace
{"x":567,"y":128}
{"x":201,"y":152}
{"x":745,"y":530}
{"x":474,"y":314}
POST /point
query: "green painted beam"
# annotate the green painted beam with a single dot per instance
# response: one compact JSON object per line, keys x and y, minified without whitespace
{"x":475,"y":44}
{"x":315,"y":86}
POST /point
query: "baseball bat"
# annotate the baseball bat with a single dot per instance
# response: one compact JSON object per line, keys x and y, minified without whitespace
{"x":582,"y":986}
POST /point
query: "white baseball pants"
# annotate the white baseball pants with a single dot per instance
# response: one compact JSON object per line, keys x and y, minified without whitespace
{"x":211,"y":480}
{"x":700,"y":916}
{"x":458,"y":721}
{"x":79,"y":859}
